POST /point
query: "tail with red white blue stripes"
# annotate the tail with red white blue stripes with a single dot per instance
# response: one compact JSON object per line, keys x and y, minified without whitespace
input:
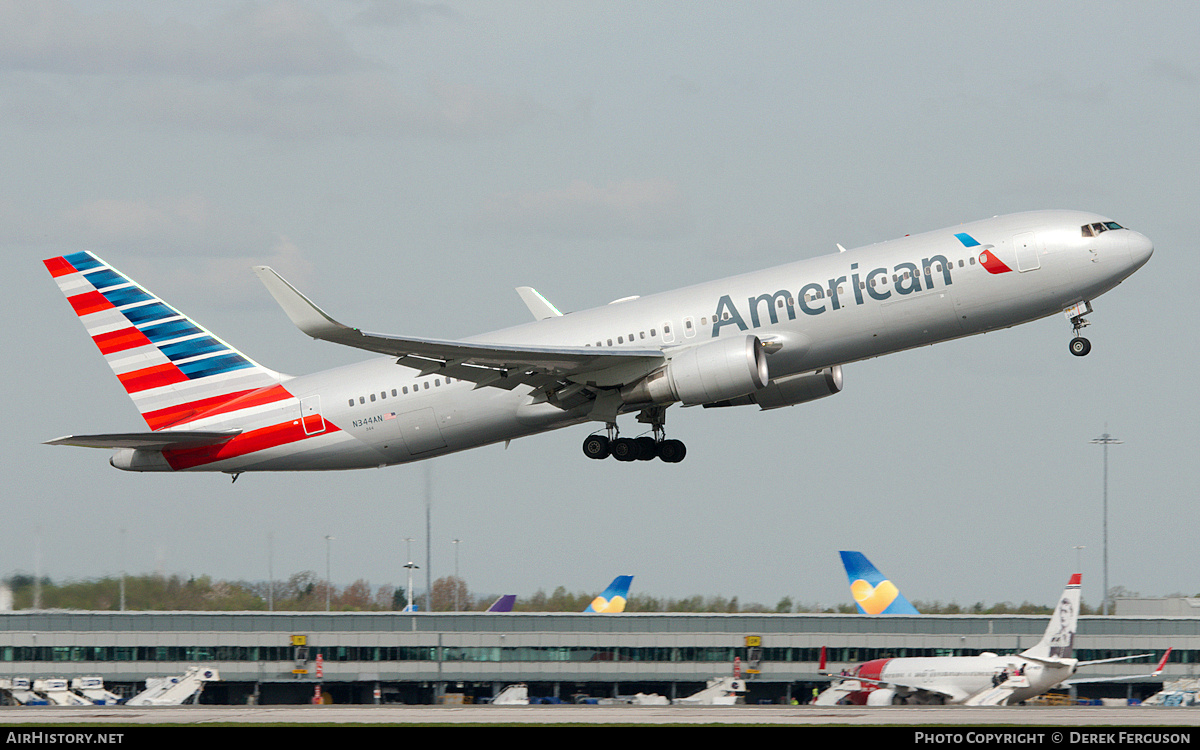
{"x":173,"y":369}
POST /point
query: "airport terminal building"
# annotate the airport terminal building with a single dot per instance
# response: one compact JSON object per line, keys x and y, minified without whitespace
{"x":421,"y":658}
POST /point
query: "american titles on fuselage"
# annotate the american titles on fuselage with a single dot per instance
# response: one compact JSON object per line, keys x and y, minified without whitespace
{"x":814,"y":298}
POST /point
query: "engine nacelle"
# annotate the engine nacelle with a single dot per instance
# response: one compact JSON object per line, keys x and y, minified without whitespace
{"x":719,"y":370}
{"x":791,"y":390}
{"x":883,"y":697}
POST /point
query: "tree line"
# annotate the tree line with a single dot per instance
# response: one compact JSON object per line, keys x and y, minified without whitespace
{"x":308,"y":592}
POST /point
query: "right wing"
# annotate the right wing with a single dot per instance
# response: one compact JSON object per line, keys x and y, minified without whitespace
{"x":1162,"y":664}
{"x":497,"y":365}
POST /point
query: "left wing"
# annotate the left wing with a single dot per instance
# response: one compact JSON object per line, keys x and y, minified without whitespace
{"x":951,"y":693}
{"x":498,"y":365}
{"x":1123,"y":658}
{"x":845,"y":684}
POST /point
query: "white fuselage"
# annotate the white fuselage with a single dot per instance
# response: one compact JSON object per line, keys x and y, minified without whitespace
{"x":821,"y":312}
{"x":959,"y":677}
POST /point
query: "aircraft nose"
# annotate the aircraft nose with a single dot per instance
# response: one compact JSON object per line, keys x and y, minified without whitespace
{"x":1140,"y":249}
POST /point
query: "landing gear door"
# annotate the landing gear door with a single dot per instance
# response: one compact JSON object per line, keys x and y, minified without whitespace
{"x":1026,"y":247}
{"x":310,"y":415}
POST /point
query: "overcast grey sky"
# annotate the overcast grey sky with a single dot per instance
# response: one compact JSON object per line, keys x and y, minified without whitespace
{"x":407,"y":164}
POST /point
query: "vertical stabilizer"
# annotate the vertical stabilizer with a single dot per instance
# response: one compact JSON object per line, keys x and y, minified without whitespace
{"x":174,"y":370}
{"x":612,"y":599}
{"x":1059,"y":639}
{"x":503,"y":604}
{"x":874,"y":594}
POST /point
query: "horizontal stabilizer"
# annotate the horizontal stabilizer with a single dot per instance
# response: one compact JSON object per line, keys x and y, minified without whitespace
{"x":153,"y":441}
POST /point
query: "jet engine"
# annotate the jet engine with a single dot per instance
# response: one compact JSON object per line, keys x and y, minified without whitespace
{"x":884,"y":697}
{"x":721,"y":369}
{"x":791,"y":390}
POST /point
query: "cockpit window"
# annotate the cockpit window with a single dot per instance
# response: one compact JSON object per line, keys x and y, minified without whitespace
{"x":1092,"y":230}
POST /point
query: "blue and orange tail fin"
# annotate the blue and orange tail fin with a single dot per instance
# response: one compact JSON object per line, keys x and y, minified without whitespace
{"x":173,"y":369}
{"x":874,"y":594}
{"x":613,"y":598}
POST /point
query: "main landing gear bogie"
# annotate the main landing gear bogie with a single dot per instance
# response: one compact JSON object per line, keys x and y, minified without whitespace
{"x":643,"y":448}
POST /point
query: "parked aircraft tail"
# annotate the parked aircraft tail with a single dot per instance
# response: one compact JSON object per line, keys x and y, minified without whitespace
{"x":1059,"y":638}
{"x":612,"y":599}
{"x":173,"y":369}
{"x":874,"y":594}
{"x":503,"y":604}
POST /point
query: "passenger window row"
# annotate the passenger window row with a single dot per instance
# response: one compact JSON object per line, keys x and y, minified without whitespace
{"x":641,"y":335}
{"x":402,"y":391}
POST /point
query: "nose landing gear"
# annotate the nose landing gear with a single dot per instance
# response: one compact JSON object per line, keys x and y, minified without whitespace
{"x":1079,"y":345}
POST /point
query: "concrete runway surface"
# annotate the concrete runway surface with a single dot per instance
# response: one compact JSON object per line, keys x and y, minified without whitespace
{"x":649,"y":715}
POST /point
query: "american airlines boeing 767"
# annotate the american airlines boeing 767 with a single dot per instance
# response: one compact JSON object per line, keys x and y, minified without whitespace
{"x":771,"y":338}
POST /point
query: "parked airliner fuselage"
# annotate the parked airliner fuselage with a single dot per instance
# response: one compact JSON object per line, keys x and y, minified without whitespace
{"x":811,"y":316}
{"x":952,"y":679}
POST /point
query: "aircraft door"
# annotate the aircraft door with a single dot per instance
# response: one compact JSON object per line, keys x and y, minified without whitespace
{"x":668,"y":335}
{"x":689,"y":328}
{"x":1026,"y":247}
{"x":310,"y":415}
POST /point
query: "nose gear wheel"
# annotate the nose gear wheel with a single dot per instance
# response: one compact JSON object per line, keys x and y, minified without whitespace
{"x":1079,"y":346}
